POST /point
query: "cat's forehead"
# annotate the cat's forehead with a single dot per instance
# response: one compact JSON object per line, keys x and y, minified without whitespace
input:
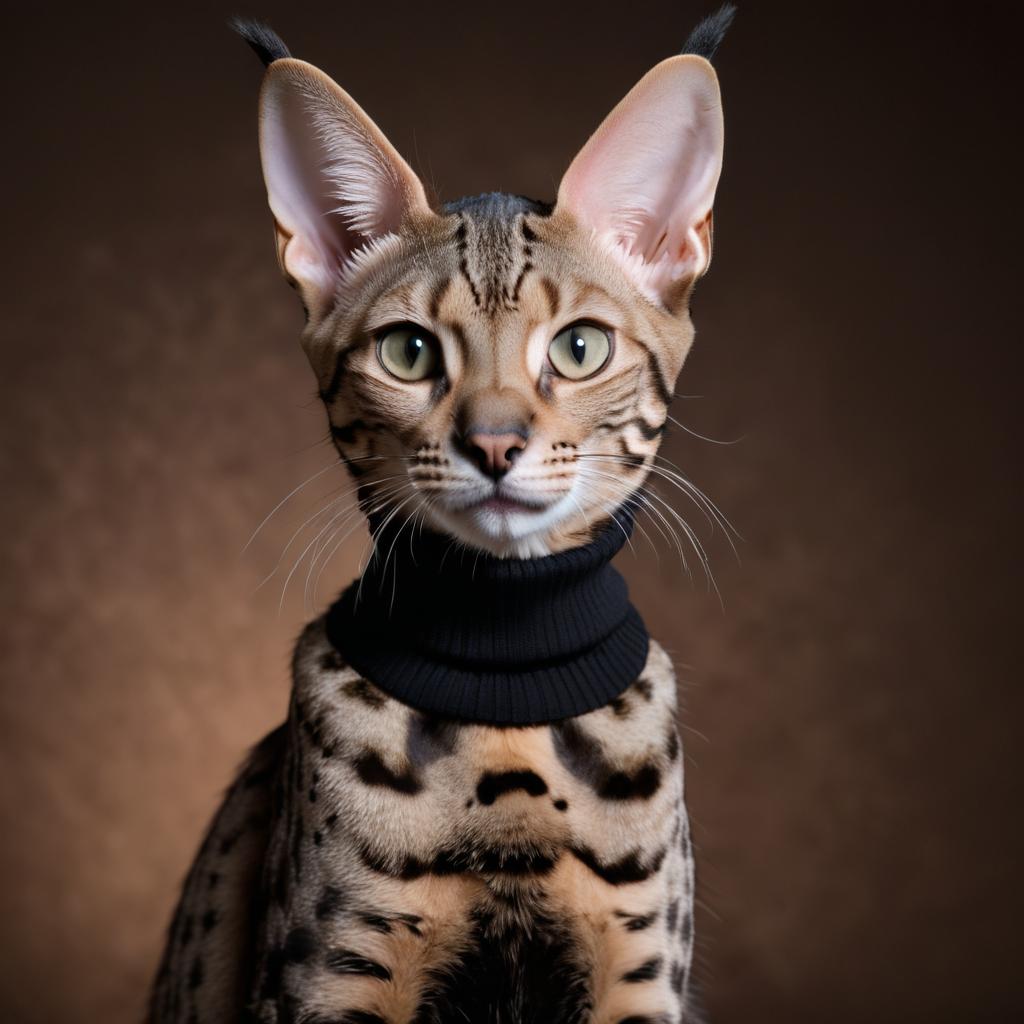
{"x":492,"y":256}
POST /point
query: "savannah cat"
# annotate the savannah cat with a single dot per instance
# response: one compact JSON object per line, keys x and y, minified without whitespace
{"x":474,"y":811}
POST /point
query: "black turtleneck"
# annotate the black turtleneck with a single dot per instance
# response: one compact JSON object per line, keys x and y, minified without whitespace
{"x":465,"y":635}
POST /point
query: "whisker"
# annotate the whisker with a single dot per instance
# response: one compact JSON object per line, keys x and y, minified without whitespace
{"x":284,"y":500}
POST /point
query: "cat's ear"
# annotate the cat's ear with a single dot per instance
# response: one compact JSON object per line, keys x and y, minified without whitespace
{"x":645,"y":181}
{"x":334,"y":182}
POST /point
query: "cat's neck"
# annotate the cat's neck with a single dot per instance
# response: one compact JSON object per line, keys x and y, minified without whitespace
{"x":469,"y":635}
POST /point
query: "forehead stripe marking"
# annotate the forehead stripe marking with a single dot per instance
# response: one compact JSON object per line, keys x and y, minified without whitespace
{"x":460,"y":239}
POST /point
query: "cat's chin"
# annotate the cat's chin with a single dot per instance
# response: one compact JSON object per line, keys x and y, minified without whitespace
{"x":505,"y":528}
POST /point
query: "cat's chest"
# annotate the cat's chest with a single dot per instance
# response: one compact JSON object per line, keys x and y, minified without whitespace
{"x":421,"y":792}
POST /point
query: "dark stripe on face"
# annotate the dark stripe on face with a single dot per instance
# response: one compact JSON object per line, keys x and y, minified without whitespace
{"x":330,"y":393}
{"x":660,"y":381}
{"x":437,"y":294}
{"x":374,"y":772}
{"x":647,"y":430}
{"x":647,"y":971}
{"x":347,"y":433}
{"x":624,"y":871}
{"x":460,"y":240}
{"x":527,"y":267}
{"x":495,"y":784}
{"x":643,"y":1018}
{"x":552,"y":294}
{"x":633,"y":460}
{"x":344,"y":961}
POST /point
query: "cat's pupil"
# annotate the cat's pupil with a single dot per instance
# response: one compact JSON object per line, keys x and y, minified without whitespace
{"x":413,"y":348}
{"x":578,"y":347}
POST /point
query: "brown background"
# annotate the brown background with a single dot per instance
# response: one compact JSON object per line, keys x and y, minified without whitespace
{"x":853,"y":709}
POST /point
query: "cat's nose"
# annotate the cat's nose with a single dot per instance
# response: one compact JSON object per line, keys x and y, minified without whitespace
{"x":495,"y":453}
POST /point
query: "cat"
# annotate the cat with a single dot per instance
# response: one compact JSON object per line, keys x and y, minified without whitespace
{"x":474,"y":811}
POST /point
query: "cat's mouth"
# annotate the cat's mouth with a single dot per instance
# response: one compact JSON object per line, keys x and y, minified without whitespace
{"x":505,"y":504}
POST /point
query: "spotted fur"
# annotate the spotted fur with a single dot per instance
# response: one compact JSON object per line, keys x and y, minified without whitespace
{"x":376,"y":865}
{"x":386,"y":865}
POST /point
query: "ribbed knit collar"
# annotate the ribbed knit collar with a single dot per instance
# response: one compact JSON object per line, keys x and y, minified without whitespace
{"x":465,"y":635}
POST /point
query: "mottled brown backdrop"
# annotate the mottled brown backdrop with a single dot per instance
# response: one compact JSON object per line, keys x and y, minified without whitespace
{"x":852,"y":712}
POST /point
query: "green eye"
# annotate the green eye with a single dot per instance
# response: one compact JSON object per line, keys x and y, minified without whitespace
{"x":409,"y":352}
{"x":580,"y":351}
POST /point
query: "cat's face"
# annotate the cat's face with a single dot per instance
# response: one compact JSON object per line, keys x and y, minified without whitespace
{"x":497,"y":369}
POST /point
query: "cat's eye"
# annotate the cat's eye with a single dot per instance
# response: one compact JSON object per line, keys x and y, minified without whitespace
{"x":580,"y":351}
{"x":409,"y":352}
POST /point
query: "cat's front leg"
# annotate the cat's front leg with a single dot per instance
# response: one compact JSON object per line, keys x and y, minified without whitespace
{"x":634,"y":922}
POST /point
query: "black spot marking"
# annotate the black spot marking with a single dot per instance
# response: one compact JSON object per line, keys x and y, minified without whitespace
{"x":376,"y":922}
{"x":672,"y":748}
{"x":196,"y":974}
{"x":624,"y":871}
{"x":331,"y":661}
{"x":374,"y":772}
{"x":330,"y":903}
{"x":647,"y":971}
{"x":677,"y":978}
{"x":430,"y":738}
{"x":584,"y":757}
{"x":686,"y":928}
{"x":621,"y":707}
{"x":411,"y":921}
{"x":344,"y":961}
{"x":360,"y":689}
{"x":209,"y":921}
{"x":641,"y":784}
{"x":299,"y":946}
{"x":495,"y":784}
{"x":561,"y":805}
{"x":644,"y":687}
{"x":643,"y":1018}
{"x":492,"y":860}
{"x":672,"y":915}
{"x":637,"y":922}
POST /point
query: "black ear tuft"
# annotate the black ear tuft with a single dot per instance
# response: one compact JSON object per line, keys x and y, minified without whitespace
{"x":707,"y":36}
{"x":262,"y":38}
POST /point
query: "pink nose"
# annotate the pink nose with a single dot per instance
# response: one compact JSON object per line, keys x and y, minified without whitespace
{"x":495,"y":453}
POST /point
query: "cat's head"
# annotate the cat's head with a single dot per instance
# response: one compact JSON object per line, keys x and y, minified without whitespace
{"x":496,"y":368}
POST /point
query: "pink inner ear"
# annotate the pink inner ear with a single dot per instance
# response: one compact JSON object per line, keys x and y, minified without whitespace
{"x":334,"y":183}
{"x":645,"y":181}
